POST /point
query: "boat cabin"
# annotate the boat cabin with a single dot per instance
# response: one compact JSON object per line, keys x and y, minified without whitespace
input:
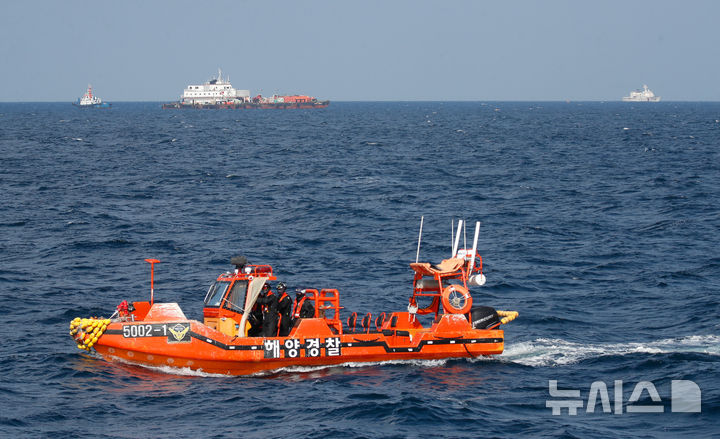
{"x":233,"y":296}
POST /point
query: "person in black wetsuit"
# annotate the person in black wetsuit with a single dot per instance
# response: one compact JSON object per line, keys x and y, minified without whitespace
{"x":304,"y":308}
{"x":285,"y":304}
{"x":268,"y":301}
{"x":255,"y":319}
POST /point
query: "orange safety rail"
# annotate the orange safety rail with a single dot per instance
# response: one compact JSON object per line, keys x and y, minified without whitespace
{"x":430,"y":291}
{"x":478,"y":263}
{"x":465,"y":254}
{"x":329,"y":299}
{"x":311,"y":294}
{"x":435,"y":291}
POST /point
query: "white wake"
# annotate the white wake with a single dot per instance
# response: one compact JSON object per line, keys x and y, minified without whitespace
{"x":557,"y":352}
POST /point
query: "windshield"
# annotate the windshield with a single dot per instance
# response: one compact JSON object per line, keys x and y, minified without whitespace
{"x":236,"y":298}
{"x":216,"y":293}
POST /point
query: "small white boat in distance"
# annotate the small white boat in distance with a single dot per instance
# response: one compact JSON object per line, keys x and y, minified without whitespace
{"x":644,"y":95}
{"x":88,"y":100}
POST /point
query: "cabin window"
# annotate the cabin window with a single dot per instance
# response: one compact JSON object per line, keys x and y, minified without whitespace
{"x":236,"y":298}
{"x":216,"y":293}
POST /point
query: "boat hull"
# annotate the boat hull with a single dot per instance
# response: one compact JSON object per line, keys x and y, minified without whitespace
{"x":102,"y":105}
{"x":191,"y":344}
{"x":628,"y":99}
{"x":248,"y":106}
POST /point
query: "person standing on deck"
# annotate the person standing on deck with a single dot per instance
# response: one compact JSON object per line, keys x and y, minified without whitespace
{"x":304,"y":308}
{"x":269,"y":303}
{"x":285,"y":305}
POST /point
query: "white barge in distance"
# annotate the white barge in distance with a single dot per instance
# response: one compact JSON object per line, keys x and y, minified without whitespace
{"x":212,"y":92}
{"x":219,"y":93}
{"x":644,"y":95}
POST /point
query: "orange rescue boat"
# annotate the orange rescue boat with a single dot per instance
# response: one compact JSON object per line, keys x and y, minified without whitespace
{"x":159,"y":334}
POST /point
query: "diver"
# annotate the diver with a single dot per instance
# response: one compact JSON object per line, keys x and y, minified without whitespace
{"x":304,"y":308}
{"x":285,"y":304}
{"x":255,"y":318}
{"x":269,"y":303}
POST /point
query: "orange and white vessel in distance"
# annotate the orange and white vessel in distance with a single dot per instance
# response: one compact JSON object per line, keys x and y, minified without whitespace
{"x":159,"y":334}
{"x":88,"y":100}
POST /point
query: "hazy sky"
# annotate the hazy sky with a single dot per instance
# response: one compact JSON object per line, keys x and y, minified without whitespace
{"x":364,"y":50}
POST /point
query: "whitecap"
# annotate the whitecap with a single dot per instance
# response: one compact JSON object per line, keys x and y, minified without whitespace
{"x":182,"y":371}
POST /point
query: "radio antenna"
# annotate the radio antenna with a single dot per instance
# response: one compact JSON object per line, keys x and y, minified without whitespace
{"x":465,"y":236}
{"x":474,"y":249}
{"x":457,"y":238}
{"x":452,"y":235}
{"x":417,"y":255}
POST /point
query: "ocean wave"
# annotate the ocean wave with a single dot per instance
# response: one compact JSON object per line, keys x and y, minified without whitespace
{"x":558,"y":352}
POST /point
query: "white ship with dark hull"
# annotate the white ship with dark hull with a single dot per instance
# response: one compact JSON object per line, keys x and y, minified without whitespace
{"x":644,"y":95}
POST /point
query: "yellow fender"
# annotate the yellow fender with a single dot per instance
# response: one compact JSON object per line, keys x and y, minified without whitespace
{"x":507,"y":316}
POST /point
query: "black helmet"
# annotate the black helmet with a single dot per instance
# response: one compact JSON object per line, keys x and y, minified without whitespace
{"x":281,"y":287}
{"x":266,"y":287}
{"x":299,"y":293}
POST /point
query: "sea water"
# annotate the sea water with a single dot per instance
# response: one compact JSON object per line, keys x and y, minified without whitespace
{"x":600,"y":225}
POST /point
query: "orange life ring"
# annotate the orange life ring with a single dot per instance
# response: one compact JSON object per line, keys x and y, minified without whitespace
{"x":456,"y":299}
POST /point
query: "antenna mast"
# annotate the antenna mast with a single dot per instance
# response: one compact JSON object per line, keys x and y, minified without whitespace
{"x":417,"y":255}
{"x":152,"y":278}
{"x":474,"y":250}
{"x":457,"y":239}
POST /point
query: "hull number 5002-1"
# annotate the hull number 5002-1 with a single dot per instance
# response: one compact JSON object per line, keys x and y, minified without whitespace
{"x":175,"y":332}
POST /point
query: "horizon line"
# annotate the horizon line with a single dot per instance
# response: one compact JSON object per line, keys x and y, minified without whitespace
{"x":387,"y":100}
